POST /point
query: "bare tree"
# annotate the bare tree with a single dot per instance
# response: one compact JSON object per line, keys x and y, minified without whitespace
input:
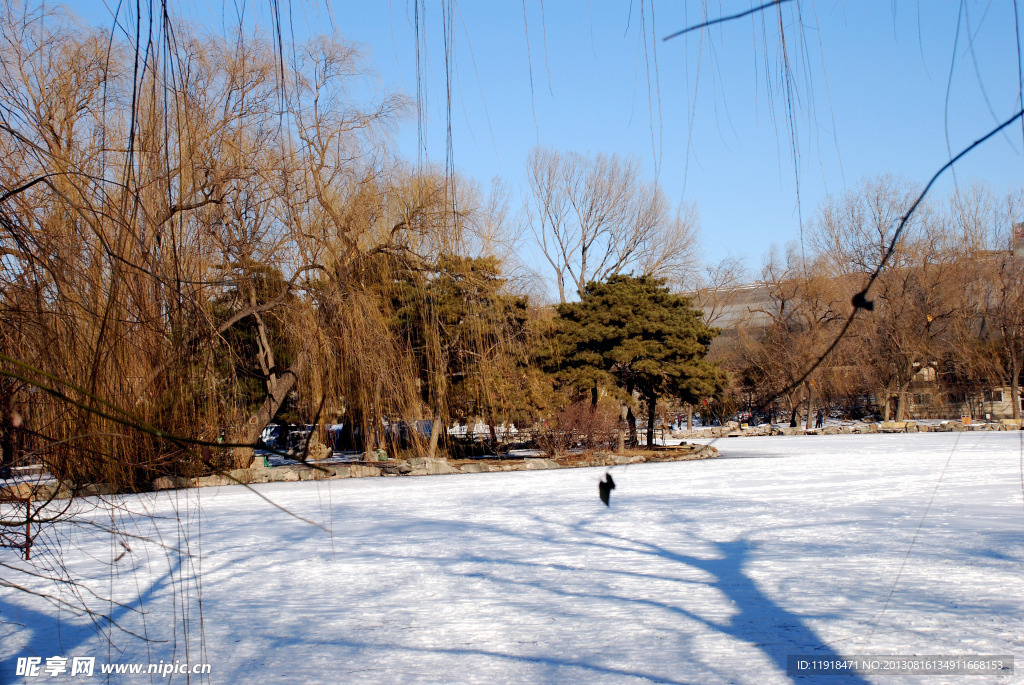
{"x":720,"y":290}
{"x":918,"y":296}
{"x":991,"y":330}
{"x":593,"y":217}
{"x":805,"y":306}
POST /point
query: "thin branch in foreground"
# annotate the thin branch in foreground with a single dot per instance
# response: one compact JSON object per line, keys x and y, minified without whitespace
{"x":722,"y":20}
{"x":860,"y":300}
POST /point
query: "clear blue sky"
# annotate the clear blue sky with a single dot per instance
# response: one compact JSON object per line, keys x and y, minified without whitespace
{"x":705,"y":112}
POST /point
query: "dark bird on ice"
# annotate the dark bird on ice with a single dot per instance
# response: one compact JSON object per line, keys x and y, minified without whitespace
{"x":605,"y":487}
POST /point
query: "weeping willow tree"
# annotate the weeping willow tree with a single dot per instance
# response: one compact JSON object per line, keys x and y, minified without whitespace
{"x":187,"y":244}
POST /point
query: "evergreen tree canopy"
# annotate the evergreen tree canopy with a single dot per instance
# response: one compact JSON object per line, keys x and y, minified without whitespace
{"x":635,"y":334}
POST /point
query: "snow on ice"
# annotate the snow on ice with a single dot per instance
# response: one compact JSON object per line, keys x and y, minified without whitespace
{"x":699,"y":572}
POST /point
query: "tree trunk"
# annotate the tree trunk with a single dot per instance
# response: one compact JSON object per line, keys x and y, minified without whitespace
{"x":631,"y":426}
{"x":1015,"y":385}
{"x":620,"y":432}
{"x":652,"y":403}
{"x":810,"y":406}
{"x":276,"y":393}
{"x":435,"y":433}
{"x":592,"y":418}
{"x":901,"y":402}
{"x":8,"y":444}
{"x":689,"y":418}
{"x":379,"y":441}
{"x":886,"y":403}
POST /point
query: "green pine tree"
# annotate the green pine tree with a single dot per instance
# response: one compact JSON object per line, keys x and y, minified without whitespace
{"x":636,"y":335}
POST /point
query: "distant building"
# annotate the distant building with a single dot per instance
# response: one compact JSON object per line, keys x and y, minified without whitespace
{"x":735,"y":306}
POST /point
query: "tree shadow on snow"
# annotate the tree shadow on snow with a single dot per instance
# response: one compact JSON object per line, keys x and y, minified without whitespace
{"x":60,"y":633}
{"x":760,"y":621}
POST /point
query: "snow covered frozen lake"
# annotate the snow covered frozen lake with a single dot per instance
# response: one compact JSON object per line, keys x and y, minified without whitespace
{"x":700,"y":572}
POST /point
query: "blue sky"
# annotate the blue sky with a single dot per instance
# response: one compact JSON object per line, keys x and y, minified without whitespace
{"x":878,"y":88}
